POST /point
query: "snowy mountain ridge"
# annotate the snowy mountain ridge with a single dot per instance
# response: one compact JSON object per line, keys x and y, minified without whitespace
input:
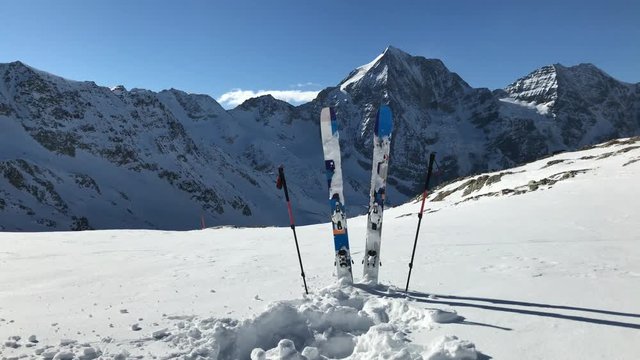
{"x":77,"y":155}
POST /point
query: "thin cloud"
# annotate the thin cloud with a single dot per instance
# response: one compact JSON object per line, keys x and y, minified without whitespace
{"x":236,"y":97}
{"x":307,"y":84}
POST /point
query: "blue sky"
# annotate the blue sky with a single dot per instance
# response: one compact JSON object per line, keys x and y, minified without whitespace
{"x":298,"y":47}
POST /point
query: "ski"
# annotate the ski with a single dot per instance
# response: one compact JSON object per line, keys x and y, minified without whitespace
{"x":381,"y":148}
{"x":332,"y":162}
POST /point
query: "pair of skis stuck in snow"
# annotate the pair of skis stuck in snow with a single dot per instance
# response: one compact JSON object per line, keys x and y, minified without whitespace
{"x":332,"y":159}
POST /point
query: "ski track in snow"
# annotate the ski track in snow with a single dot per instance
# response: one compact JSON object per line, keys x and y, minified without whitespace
{"x":549,"y":272}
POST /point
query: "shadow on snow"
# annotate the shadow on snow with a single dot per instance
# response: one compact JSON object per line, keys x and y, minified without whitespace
{"x":460,"y":301}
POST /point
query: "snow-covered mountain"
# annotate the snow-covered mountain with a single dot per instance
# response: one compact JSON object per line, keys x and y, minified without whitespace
{"x":77,"y":155}
{"x":540,"y":261}
{"x":587,"y":104}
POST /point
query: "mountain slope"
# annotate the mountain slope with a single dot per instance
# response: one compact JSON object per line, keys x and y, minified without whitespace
{"x":526,"y":263}
{"x":124,"y":158}
{"x":76,"y":155}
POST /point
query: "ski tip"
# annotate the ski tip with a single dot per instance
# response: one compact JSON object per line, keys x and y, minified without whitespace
{"x":384,"y":121}
{"x":328,"y":114}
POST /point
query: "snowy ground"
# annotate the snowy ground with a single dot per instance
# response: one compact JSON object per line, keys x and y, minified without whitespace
{"x":507,"y":268}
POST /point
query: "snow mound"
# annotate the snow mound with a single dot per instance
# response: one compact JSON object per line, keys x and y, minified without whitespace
{"x":445,"y":317}
{"x":452,"y":348}
{"x":336,"y":322}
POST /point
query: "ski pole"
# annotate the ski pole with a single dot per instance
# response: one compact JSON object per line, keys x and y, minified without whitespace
{"x":282,"y":184}
{"x":424,"y":198}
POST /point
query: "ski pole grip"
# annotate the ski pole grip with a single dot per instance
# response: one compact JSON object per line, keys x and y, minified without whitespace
{"x":284,"y":182}
{"x":432,"y":158}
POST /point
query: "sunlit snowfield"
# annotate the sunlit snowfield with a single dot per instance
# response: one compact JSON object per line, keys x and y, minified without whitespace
{"x":542,"y":261}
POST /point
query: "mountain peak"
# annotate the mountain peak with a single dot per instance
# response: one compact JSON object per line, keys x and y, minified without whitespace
{"x":357,"y":74}
{"x":395,"y":71}
{"x":264,"y":101}
{"x":17,"y":66}
{"x":539,"y":86}
{"x":585,"y":74}
{"x":118,"y":89}
{"x":18,"y":63}
{"x":394,"y":51}
{"x":390,"y":55}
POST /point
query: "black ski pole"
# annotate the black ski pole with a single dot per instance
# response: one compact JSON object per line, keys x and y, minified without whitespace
{"x":432,"y":158}
{"x":282,"y":184}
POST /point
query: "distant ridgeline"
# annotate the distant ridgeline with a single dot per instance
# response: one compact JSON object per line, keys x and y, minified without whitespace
{"x":75,"y":155}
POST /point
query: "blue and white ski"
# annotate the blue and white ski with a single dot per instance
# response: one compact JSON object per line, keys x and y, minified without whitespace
{"x":381,"y":149}
{"x":332,"y":161}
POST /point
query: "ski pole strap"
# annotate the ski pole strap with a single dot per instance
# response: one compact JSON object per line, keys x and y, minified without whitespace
{"x":290,"y":215}
{"x":424,"y":198}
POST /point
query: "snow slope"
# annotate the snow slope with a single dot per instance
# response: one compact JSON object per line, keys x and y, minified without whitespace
{"x":536,"y":262}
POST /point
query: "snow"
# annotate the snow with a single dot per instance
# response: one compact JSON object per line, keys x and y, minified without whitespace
{"x":360,"y":72}
{"x":548,"y":273}
{"x":542,"y":109}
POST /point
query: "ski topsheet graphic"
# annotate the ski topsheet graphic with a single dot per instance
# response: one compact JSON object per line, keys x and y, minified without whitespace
{"x":332,"y":161}
{"x":381,"y":147}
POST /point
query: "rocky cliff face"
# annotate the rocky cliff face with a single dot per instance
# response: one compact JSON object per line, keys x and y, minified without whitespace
{"x":75,"y":155}
{"x":587,"y":104}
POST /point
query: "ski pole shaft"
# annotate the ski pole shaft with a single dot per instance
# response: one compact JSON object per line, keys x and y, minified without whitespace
{"x":424,"y":198}
{"x":283,"y":181}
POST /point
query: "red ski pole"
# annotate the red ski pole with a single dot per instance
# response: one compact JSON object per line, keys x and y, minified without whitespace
{"x":282,"y":184}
